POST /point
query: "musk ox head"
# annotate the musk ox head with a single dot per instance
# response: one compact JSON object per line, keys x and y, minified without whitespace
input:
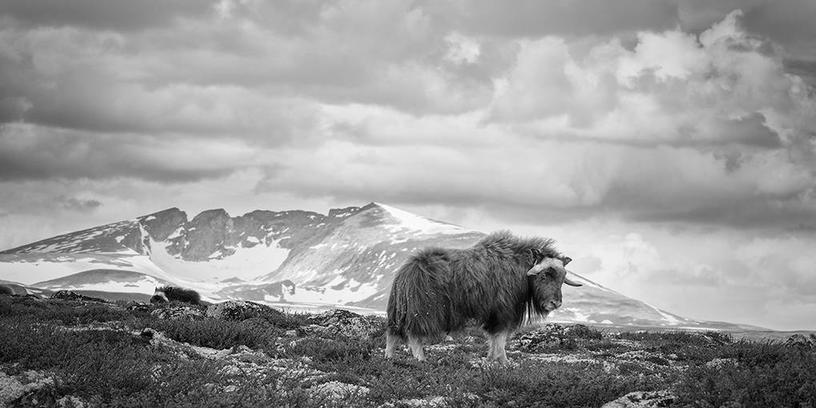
{"x":546,"y":277}
{"x":159,"y":296}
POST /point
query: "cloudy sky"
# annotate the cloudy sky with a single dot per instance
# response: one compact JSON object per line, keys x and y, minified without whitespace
{"x":668,"y":145}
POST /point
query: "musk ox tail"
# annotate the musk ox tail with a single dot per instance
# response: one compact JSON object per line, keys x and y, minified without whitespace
{"x":419,"y":304}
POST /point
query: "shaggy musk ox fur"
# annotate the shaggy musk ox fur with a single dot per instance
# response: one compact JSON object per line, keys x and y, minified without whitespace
{"x":165,"y":294}
{"x":501,"y":282}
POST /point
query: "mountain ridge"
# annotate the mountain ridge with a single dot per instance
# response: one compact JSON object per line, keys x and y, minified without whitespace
{"x":294,"y":258}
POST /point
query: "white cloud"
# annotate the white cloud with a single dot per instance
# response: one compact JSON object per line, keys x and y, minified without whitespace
{"x":670,"y":88}
{"x":462,"y":50}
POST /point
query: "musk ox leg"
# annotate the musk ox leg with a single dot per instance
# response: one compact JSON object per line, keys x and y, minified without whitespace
{"x":391,"y":342}
{"x":496,"y":350}
{"x":415,"y":344}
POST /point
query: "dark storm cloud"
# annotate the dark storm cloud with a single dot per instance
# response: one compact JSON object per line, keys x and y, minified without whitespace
{"x":803,"y":68}
{"x":84,"y":96}
{"x":533,"y":18}
{"x":789,"y":23}
{"x":104,"y":14}
{"x":35,"y":153}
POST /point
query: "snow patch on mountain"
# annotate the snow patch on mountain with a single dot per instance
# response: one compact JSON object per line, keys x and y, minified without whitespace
{"x":244,"y":263}
{"x":415,"y":223}
{"x":105,"y":281}
{"x":670,"y":319}
{"x":30,"y":268}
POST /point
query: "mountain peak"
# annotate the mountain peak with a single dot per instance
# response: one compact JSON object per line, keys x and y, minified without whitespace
{"x":210,"y":214}
{"x":344,"y":212}
{"x":402,"y":220}
{"x":163,"y":213}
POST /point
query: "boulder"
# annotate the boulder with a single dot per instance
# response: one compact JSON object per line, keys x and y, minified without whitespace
{"x":241,"y":310}
{"x":137,"y":307}
{"x":555,"y":336}
{"x":643,"y":399}
{"x":69,"y":295}
{"x":18,"y":386}
{"x":344,"y":324}
{"x":178,"y":312}
{"x":335,"y":391}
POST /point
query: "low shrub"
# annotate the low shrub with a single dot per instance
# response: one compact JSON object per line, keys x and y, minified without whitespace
{"x":64,"y":312}
{"x":755,"y":374}
{"x":213,"y":333}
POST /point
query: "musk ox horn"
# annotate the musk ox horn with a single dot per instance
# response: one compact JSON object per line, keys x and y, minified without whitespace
{"x":570,"y":282}
{"x":544,"y":264}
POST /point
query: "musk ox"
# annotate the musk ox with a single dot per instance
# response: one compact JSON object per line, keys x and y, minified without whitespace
{"x":501,"y":282}
{"x":164,"y":294}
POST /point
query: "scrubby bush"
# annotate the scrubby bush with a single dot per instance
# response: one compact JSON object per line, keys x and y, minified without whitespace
{"x":680,"y":337}
{"x":217,"y":334}
{"x":758,"y":374}
{"x":64,"y":312}
{"x":6,"y":291}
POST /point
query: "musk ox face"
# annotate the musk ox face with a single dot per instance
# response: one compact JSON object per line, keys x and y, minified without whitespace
{"x":159,"y":297}
{"x":546,"y":277}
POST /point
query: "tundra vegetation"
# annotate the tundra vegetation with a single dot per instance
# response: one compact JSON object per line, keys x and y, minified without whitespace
{"x":57,"y":352}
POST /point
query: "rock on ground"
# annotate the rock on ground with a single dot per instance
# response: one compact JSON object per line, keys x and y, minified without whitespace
{"x":643,"y":399}
{"x":552,"y":335}
{"x":178,"y":312}
{"x":13,"y":387}
{"x":69,"y":295}
{"x":342,"y":323}
{"x":336,"y":390}
{"x":241,"y":310}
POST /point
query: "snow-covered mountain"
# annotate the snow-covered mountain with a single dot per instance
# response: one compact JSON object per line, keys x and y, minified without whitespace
{"x":293,"y":258}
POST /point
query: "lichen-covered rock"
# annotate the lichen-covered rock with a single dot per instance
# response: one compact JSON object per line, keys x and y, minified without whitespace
{"x":428,"y":402}
{"x":178,"y":312}
{"x":15,"y":387}
{"x":137,"y":307}
{"x":643,"y":399}
{"x":241,"y":310}
{"x":546,"y":336}
{"x":342,"y":323}
{"x":70,"y":401}
{"x":554,"y":335}
{"x":336,"y":390}
{"x":69,"y":295}
{"x":720,"y":363}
